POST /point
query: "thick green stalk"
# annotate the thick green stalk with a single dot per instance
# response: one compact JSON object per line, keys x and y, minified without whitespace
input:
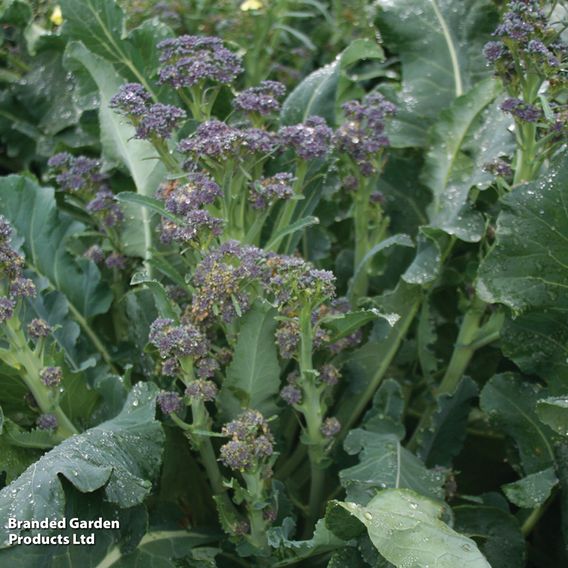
{"x":312,"y":410}
{"x":255,"y":487}
{"x":464,"y":350}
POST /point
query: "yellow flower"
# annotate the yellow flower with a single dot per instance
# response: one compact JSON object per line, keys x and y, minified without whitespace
{"x":248,"y":5}
{"x":56,"y":16}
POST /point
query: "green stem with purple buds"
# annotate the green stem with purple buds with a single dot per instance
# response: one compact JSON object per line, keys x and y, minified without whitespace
{"x":21,"y":356}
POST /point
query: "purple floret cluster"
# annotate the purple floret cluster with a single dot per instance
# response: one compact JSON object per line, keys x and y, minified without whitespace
{"x":105,"y":208}
{"x":265,"y":191}
{"x":310,"y":139}
{"x":262,"y":99}
{"x":218,"y":141}
{"x":199,"y":190}
{"x":76,"y":174}
{"x":51,"y":376}
{"x":184,"y":340}
{"x":521,"y":110}
{"x":251,"y":442}
{"x":38,"y":328}
{"x":22,"y":288}
{"x":151,"y":120}
{"x":187,"y":61}
{"x":188,"y":202}
{"x":169,"y":402}
{"x":330,"y":427}
{"x":362,"y":135}
{"x":222,"y":278}
{"x":202,"y":389}
{"x":47,"y":422}
{"x":131,"y":100}
{"x":525,"y":39}
{"x":11,"y":267}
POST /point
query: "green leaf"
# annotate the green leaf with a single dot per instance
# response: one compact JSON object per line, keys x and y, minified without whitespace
{"x":383,"y":462}
{"x":467,"y":135}
{"x":443,"y":438}
{"x":155,"y":205}
{"x":122,"y":456}
{"x":163,"y":303}
{"x":511,"y":404}
{"x":405,"y":528}
{"x":321,"y":92}
{"x":386,"y":414}
{"x":553,"y":412}
{"x":440,"y":45}
{"x":32,"y":211}
{"x":527,"y":270}
{"x":100,"y":26}
{"x":395,"y":240}
{"x":29,"y":439}
{"x":427,"y":263}
{"x":121,"y":149}
{"x":298,"y":225}
{"x":14,"y":459}
{"x":342,"y":325}
{"x":367,"y":365}
{"x":528,"y":267}
{"x":322,"y":541}
{"x":497,"y":533}
{"x":253,"y":377}
{"x":537,"y":341}
{"x":158,"y":548}
{"x":533,"y":490}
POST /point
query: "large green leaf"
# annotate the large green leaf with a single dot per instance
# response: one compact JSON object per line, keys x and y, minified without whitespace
{"x":32,"y":211}
{"x":323,"y":540}
{"x":253,"y":377}
{"x":511,"y":404}
{"x":406,"y":529}
{"x":528,"y":267}
{"x":321,"y":92}
{"x":383,"y":462}
{"x":367,"y":365}
{"x":442,"y":439}
{"x":497,"y":533}
{"x":159,"y":548}
{"x":121,"y":149}
{"x":467,"y":135}
{"x":527,"y":270}
{"x":15,"y":459}
{"x":100,"y":26}
{"x":122,"y":456}
{"x":533,"y":490}
{"x":553,"y":411}
{"x":440,"y":44}
{"x":537,"y":341}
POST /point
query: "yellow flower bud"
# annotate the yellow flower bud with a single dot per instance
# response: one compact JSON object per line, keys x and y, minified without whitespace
{"x":249,"y":5}
{"x":56,"y":16}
